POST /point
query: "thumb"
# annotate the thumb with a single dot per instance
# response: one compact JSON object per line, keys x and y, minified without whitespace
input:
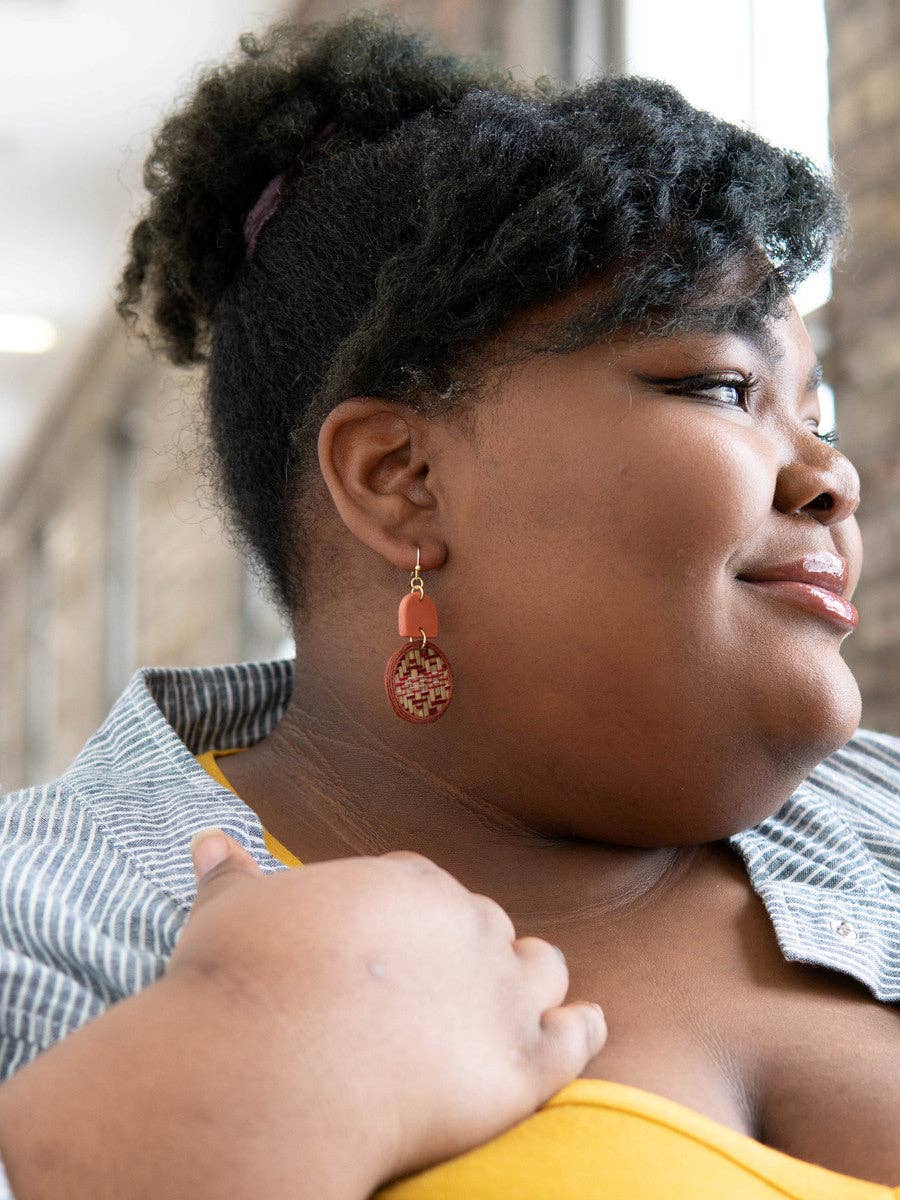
{"x":217,"y":856}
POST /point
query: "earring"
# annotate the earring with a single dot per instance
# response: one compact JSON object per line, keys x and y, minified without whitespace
{"x":417,"y":678}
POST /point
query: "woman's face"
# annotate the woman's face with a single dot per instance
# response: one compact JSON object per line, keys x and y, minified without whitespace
{"x":603,"y":643}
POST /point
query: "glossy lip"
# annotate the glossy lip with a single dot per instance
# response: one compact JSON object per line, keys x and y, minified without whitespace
{"x":817,"y":582}
{"x":819,"y":568}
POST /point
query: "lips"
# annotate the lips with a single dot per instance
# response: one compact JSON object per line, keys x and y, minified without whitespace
{"x":816,"y":582}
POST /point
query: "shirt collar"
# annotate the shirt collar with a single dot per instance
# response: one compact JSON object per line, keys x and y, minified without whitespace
{"x":831,"y":890}
{"x":139,"y":774}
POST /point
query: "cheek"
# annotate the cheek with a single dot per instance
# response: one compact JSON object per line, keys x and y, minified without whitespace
{"x":683,"y":510}
{"x":607,"y":562}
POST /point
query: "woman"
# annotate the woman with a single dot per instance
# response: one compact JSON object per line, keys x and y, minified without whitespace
{"x":531,"y":354}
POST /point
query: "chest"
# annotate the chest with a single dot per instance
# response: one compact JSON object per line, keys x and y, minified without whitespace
{"x":703,"y":1008}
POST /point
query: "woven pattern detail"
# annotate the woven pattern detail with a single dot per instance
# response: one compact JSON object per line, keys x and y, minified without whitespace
{"x":419,"y":682}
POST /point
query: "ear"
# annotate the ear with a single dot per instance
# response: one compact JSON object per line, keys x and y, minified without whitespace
{"x":374,"y":455}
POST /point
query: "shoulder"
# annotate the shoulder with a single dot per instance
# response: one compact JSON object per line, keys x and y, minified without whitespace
{"x":62,"y":839}
{"x":81,"y":926}
{"x":96,"y":878}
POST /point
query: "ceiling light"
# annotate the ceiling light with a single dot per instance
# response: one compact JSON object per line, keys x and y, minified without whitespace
{"x":22,"y":334}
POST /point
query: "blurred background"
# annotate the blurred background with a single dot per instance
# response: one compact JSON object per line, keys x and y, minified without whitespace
{"x":111,"y":554}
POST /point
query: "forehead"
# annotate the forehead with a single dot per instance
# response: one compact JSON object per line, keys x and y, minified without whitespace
{"x":783,"y":348}
{"x":743,"y":316}
{"x":618,"y":305}
{"x":781,"y":344}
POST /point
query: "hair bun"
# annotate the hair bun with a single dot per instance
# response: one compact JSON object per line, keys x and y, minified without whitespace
{"x":247,"y":122}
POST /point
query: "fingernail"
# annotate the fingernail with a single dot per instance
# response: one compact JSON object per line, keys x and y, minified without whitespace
{"x":209,"y":847}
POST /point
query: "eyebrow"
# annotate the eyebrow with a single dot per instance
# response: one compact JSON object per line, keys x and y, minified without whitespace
{"x":744,"y":323}
{"x":813,"y":379}
{"x":758,"y":338}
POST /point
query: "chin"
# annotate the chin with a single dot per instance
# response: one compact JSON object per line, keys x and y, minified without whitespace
{"x":720,"y":778}
{"x":818,"y":727}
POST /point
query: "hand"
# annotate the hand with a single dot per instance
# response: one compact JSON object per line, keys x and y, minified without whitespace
{"x":425,"y":1025}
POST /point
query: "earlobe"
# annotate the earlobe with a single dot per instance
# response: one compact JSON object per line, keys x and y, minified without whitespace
{"x":374,"y":469}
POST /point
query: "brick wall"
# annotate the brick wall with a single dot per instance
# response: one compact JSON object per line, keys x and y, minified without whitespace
{"x":863,"y":362}
{"x":56,"y":607}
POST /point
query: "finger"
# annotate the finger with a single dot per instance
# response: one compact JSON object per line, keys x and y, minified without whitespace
{"x":216,"y":858}
{"x":547,"y":970}
{"x":417,"y":862}
{"x":421,"y":865}
{"x":572,"y":1035}
{"x":495,"y":917}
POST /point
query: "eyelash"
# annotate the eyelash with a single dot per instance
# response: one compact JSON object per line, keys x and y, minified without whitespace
{"x":743,"y":386}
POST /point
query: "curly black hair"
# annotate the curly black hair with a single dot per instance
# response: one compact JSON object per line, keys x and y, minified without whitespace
{"x":447,"y":199}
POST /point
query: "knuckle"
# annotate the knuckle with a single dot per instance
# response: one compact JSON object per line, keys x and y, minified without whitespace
{"x":544,"y":956}
{"x":212,"y":880}
{"x":430,"y":873}
{"x":577,"y":1031}
{"x":493,"y":915}
{"x":412,"y":860}
{"x":562,"y":1035}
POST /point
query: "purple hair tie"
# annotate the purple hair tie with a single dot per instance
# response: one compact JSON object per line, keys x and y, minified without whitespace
{"x":267,"y":204}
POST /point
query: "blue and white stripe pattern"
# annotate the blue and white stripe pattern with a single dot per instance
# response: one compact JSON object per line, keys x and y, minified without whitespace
{"x":96,"y":880}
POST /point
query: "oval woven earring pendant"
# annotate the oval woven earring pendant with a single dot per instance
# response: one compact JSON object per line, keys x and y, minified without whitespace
{"x":417,"y":678}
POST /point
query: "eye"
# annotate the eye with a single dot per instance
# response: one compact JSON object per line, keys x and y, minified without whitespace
{"x":831,"y":437}
{"x":741,"y":388}
{"x":698,"y":385}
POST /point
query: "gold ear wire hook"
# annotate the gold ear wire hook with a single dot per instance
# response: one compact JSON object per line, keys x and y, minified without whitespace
{"x":415,"y":583}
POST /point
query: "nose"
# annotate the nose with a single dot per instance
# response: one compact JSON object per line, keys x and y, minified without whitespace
{"x":823,"y":482}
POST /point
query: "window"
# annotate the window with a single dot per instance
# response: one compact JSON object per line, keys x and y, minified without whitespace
{"x":592,"y":38}
{"x":758,"y":63}
{"x":120,"y":602}
{"x":762,"y":64}
{"x":39,"y":672}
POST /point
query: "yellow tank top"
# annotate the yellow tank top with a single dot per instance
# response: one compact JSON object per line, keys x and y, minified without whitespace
{"x":601,"y":1140}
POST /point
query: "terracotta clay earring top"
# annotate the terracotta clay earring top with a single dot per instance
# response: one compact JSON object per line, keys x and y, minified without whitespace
{"x":417,"y":615}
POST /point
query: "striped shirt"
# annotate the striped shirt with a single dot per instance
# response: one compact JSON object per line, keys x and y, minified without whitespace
{"x":96,"y":878}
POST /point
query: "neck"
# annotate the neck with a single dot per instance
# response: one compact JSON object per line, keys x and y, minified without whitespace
{"x":332,"y":781}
